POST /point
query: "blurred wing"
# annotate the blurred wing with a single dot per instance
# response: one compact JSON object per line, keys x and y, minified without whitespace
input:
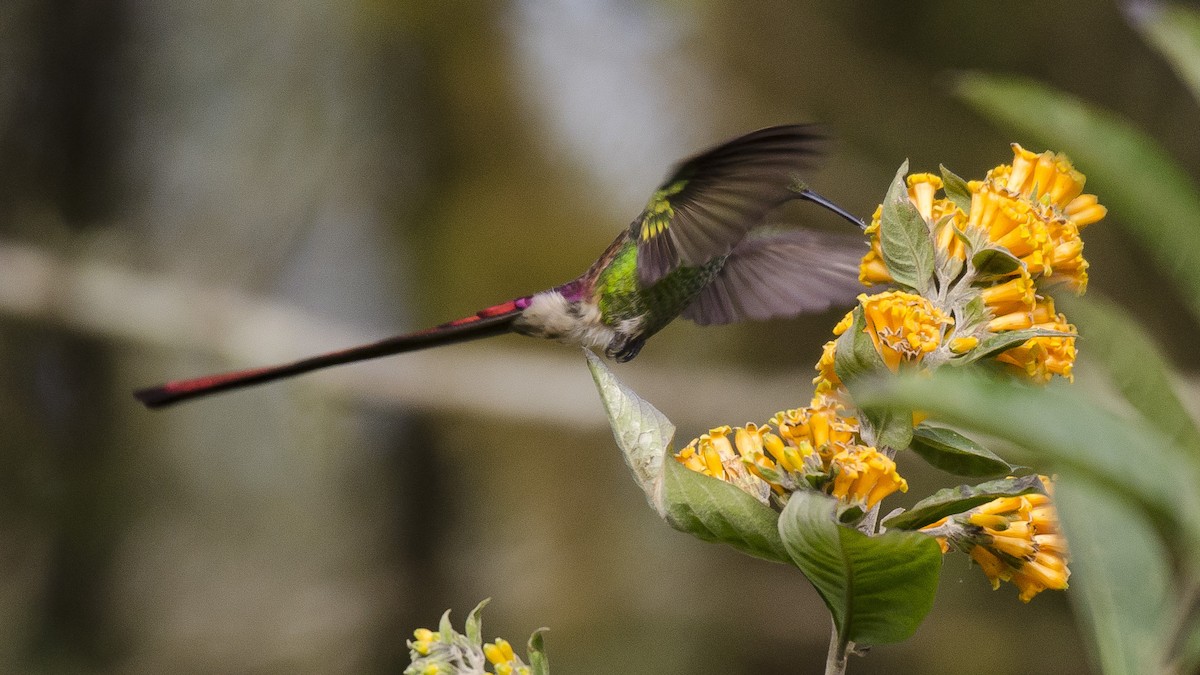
{"x":713,"y":199}
{"x":781,"y":274}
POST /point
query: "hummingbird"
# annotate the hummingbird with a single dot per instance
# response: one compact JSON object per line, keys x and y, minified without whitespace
{"x":699,"y":249}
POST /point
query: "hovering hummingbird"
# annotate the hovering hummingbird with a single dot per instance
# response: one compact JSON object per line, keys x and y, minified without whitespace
{"x":698,"y":250}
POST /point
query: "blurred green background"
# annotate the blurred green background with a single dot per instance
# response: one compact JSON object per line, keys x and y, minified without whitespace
{"x":188,"y":187}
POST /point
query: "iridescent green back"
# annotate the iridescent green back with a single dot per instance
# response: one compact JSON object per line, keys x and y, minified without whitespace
{"x":621,"y":296}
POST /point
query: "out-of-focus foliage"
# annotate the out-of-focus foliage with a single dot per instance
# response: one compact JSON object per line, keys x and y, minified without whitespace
{"x":1139,"y":592}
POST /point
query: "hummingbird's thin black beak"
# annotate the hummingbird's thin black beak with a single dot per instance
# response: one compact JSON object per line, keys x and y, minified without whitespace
{"x":807,"y":194}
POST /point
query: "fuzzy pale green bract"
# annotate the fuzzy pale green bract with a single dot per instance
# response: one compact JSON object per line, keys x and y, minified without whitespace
{"x":642,"y":433}
{"x":708,"y":508}
{"x":448,"y":652}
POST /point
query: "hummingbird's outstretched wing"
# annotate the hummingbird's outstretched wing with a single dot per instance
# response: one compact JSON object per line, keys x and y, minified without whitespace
{"x":713,"y":199}
{"x":781,"y":274}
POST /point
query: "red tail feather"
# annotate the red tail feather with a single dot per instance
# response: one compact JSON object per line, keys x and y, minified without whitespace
{"x":495,"y":320}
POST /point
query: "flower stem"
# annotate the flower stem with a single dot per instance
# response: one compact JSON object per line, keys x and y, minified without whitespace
{"x":835,"y":662}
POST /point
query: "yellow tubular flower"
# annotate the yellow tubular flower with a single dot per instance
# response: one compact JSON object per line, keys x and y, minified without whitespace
{"x":504,"y":661}
{"x":903,"y":326}
{"x":714,"y":455}
{"x":1012,"y":224}
{"x":1085,"y":210}
{"x":1019,"y":290}
{"x":498,"y":652}
{"x":1045,"y":178}
{"x":818,"y":428}
{"x":1018,"y":539}
{"x":948,"y":219}
{"x":1041,"y":358}
{"x":751,"y":442}
{"x":872,"y":269}
{"x":964,"y":344}
{"x":922,"y":187}
{"x":827,"y":379}
{"x":863,"y":475}
{"x":424,"y":639}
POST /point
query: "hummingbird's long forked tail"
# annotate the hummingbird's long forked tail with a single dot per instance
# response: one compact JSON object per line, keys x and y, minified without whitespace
{"x":495,"y":320}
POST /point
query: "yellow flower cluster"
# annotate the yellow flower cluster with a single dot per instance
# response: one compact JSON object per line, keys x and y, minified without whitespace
{"x":814,"y":445}
{"x":863,"y":475}
{"x":1013,"y":539}
{"x":504,"y":661}
{"x":423,"y":641}
{"x":435,"y":653}
{"x":1034,"y":209}
{"x":903,"y":326}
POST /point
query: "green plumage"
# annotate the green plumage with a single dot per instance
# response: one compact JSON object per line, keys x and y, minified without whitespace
{"x":621,"y":296}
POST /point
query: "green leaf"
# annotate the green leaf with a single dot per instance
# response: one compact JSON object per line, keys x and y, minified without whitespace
{"x":998,"y":342}
{"x":950,"y":451}
{"x":716,"y":511}
{"x":893,"y":426}
{"x":949,"y":501}
{"x":855,"y":354}
{"x":642,"y":433}
{"x":474,"y":626}
{"x":1121,"y":580}
{"x":975,"y":312}
{"x":877,"y":588}
{"x":1121,"y":347}
{"x":904,"y":238}
{"x":1058,"y":429}
{"x":1174,"y":31}
{"x":444,"y":626}
{"x":956,"y":189}
{"x":1148,"y":193}
{"x":539,"y":663}
{"x":994,"y":261}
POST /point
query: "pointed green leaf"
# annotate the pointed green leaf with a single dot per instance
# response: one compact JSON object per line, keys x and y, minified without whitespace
{"x":539,"y":663}
{"x":998,"y":342}
{"x":716,"y":511}
{"x":892,"y":426}
{"x":1121,"y":346}
{"x":904,"y":237}
{"x":1121,"y":583}
{"x":1174,"y":30}
{"x":975,"y":312}
{"x":948,"y":267}
{"x":855,"y":355}
{"x":474,"y":625}
{"x":950,"y":451}
{"x":994,"y":261}
{"x":956,"y":189}
{"x":1148,"y":193}
{"x":1058,"y":429}
{"x":877,"y":588}
{"x":642,"y":433}
{"x":949,"y":501}
{"x":444,"y":626}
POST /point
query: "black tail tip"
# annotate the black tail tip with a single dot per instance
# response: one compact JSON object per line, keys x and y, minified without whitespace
{"x":154,"y":397}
